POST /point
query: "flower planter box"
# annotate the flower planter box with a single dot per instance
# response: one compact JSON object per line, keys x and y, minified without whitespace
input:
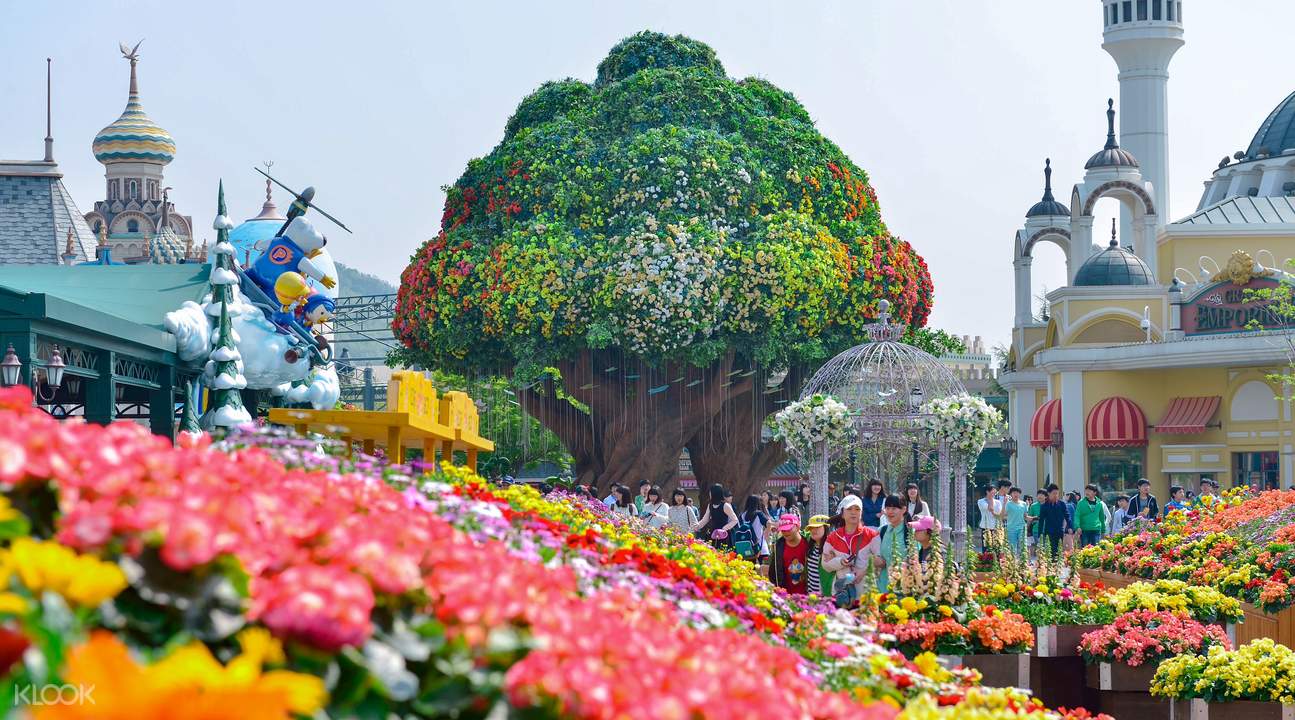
{"x":1060,"y":640}
{"x":1123,"y":691}
{"x":1055,"y":681}
{"x":1006,"y":670}
{"x":1279,"y":627}
{"x":1197,"y":709}
{"x":1229,"y":629}
{"x":1119,"y":677}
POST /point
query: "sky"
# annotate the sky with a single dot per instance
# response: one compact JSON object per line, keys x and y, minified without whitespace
{"x":949,"y":105}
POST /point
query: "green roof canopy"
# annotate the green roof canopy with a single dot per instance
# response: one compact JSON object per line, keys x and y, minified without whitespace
{"x":128,"y":301}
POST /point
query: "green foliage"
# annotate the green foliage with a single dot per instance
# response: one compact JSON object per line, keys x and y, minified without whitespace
{"x":654,"y":50}
{"x":1280,"y":309}
{"x":935,"y":341}
{"x":520,"y":443}
{"x":667,"y":211}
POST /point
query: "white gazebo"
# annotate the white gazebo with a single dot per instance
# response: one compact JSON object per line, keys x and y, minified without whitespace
{"x":885,"y":384}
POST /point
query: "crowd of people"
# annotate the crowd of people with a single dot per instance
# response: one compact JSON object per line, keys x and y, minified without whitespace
{"x":1051,"y":523}
{"x":830,"y":556}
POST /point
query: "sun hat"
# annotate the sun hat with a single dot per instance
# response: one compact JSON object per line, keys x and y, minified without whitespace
{"x":924,"y":522}
{"x":849,"y":501}
{"x":818,"y":521}
{"x":788,"y":522}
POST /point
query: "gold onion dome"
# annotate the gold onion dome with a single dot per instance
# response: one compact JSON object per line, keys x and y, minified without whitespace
{"x":133,"y":137}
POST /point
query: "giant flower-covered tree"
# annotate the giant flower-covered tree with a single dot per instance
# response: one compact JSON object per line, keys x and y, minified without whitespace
{"x":658,"y":258}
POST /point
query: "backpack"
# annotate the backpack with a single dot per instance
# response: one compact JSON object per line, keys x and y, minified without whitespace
{"x":743,"y":537}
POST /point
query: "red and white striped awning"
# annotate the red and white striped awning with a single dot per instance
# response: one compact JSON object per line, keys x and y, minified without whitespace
{"x":1046,"y":419}
{"x":1188,"y":415}
{"x":1116,"y":422}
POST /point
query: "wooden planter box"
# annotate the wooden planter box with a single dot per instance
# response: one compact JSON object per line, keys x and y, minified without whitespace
{"x":1056,"y":681}
{"x":1120,"y":677}
{"x":1240,"y":710}
{"x":1123,"y":691}
{"x":1060,"y":640}
{"x":1006,"y":670}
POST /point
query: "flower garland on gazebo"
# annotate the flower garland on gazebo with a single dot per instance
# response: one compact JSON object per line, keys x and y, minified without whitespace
{"x":808,"y":426}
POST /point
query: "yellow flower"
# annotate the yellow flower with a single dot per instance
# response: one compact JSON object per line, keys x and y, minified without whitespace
{"x":946,"y":611}
{"x":909,"y":605}
{"x":48,"y":566}
{"x":7,"y":511}
{"x":12,"y":604}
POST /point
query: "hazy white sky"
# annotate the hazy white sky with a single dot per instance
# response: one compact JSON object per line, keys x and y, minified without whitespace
{"x":950,"y":105}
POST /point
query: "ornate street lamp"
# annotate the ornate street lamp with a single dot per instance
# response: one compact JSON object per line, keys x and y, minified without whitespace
{"x":54,"y":369}
{"x":1057,"y":438}
{"x":915,"y":399}
{"x":10,"y":368}
{"x":1008,"y":444}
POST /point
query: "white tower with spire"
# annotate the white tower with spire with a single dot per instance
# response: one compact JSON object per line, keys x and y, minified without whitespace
{"x":1142,"y":36}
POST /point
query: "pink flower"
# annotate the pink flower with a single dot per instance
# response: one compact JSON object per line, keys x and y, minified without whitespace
{"x":320,"y":605}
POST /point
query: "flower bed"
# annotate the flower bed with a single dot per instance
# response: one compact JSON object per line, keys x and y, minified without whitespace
{"x":1242,"y":545}
{"x":1261,"y":671}
{"x":1202,"y":603}
{"x":207,"y":579}
{"x":1144,"y":637}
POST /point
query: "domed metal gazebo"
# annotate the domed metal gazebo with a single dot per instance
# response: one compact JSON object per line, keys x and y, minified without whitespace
{"x":885,"y":384}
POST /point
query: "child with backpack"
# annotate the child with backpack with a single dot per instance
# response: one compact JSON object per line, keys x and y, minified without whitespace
{"x":749,"y":534}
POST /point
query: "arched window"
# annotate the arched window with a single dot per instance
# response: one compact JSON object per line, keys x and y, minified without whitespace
{"x":132,"y":226}
{"x":113,"y":189}
{"x":132,"y":190}
{"x":1254,"y":401}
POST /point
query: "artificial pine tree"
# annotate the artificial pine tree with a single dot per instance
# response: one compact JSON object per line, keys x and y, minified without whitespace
{"x":189,"y":420}
{"x":224,"y":368}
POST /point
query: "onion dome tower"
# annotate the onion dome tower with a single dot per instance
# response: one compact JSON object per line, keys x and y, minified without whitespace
{"x":1048,"y":207}
{"x":134,"y":150}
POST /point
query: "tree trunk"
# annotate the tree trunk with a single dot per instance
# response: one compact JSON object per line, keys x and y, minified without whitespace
{"x":730,"y":451}
{"x":623,"y":421}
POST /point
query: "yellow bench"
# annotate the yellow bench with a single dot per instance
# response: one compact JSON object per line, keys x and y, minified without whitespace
{"x":415,"y":414}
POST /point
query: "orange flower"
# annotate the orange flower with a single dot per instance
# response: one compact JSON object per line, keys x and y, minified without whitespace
{"x":192,"y":687}
{"x":1002,"y":630}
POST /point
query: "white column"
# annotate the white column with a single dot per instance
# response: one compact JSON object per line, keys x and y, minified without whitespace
{"x":1146,"y":248}
{"x":1081,"y":245}
{"x":818,"y":490}
{"x":946,"y":489}
{"x":1143,"y":50}
{"x":1073,"y":456}
{"x":1026,"y":471}
{"x":1024,"y":311}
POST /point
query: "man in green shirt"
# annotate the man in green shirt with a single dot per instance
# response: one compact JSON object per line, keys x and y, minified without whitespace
{"x":1090,"y":517}
{"x":1032,"y":515}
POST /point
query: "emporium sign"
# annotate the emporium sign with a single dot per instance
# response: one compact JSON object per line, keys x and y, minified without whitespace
{"x":1224,"y":308}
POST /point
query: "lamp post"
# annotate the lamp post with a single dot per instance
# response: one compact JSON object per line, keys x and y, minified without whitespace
{"x":1057,"y":437}
{"x":10,"y":368}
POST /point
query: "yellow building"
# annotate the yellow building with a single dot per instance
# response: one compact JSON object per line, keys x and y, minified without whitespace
{"x":1145,"y":364}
